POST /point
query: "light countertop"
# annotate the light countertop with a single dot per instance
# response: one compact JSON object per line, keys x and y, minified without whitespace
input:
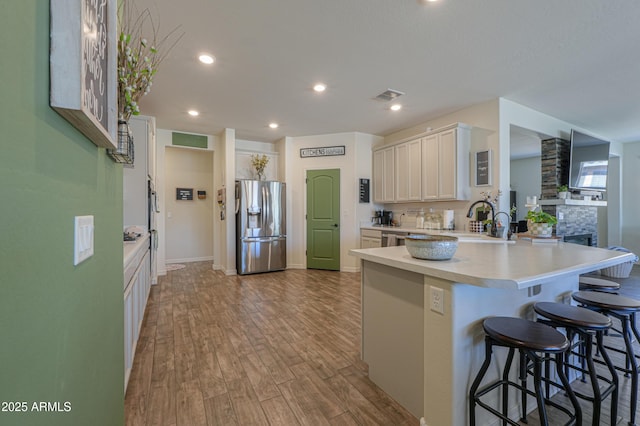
{"x":510,"y":266}
{"x":477,"y":237}
{"x":133,"y":247}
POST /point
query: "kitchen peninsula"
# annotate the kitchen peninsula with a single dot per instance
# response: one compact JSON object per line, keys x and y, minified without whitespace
{"x":422,"y":320}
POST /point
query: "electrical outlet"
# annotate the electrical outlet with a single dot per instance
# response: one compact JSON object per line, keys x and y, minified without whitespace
{"x":437,"y":299}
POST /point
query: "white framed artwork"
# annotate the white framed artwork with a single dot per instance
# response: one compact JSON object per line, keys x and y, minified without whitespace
{"x":83,"y":67}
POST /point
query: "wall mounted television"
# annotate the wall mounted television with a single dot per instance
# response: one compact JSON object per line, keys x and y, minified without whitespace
{"x":589,"y":161}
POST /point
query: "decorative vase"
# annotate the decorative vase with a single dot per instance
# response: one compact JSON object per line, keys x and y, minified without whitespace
{"x":564,"y":195}
{"x":260,"y":175}
{"x":544,"y":230}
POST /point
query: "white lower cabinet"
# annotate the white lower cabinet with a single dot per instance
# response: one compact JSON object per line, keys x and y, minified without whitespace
{"x":370,"y":238}
{"x":136,"y":294}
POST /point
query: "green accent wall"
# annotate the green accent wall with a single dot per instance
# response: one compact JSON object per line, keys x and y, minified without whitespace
{"x":61,"y":326}
{"x":186,"y":139}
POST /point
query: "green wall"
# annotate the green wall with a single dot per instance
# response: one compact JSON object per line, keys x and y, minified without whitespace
{"x":61,"y":326}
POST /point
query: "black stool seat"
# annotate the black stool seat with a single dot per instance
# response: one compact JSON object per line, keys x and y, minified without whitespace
{"x":593,"y":283}
{"x":521,"y":333}
{"x":608,"y":301}
{"x":572,"y":316}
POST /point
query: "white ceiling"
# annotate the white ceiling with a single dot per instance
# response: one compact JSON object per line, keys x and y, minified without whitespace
{"x":576,"y":60}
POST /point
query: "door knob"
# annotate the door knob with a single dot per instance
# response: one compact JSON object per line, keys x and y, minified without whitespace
{"x":335,"y":225}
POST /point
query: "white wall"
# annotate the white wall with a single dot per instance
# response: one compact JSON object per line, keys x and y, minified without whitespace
{"x":246,"y":149}
{"x":356,"y":163}
{"x":227,"y":236}
{"x":526,"y":180}
{"x":631,"y":197}
{"x":189,"y":223}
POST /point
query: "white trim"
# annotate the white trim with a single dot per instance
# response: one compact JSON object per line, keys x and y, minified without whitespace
{"x":188,"y":260}
{"x":296,"y":266}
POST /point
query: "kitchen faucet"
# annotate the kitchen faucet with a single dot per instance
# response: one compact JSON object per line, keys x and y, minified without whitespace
{"x":508,"y":224}
{"x":493,"y":232}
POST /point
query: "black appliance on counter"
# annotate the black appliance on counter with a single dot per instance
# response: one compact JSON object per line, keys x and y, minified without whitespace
{"x":386,"y":217}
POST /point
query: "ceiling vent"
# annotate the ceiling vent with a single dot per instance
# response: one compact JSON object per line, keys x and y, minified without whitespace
{"x":389,"y":95}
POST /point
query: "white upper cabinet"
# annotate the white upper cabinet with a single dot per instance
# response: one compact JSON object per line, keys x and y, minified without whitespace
{"x":453,"y":160}
{"x":408,"y":173}
{"x":384,"y":175}
{"x":429,"y":168}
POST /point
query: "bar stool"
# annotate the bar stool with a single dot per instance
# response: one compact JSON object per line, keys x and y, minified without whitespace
{"x":585,"y":324}
{"x":535,"y":342}
{"x":597,"y":284}
{"x":624,"y":309}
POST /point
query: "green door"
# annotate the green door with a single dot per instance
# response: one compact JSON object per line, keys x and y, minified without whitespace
{"x":323,"y":219}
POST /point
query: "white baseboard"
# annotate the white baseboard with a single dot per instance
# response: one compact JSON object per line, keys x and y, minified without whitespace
{"x":296,"y":266}
{"x":350,"y":269}
{"x":231,"y":272}
{"x":190,"y":259}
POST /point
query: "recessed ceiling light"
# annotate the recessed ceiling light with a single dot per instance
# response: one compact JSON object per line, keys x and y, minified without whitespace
{"x":320,"y":87}
{"x":193,"y":113}
{"x":206,"y":59}
{"x":273,"y":125}
{"x":395,"y":107}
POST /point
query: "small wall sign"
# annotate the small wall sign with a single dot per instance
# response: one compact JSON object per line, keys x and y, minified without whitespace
{"x":184,"y":194}
{"x":482,"y":168}
{"x":364,"y":190}
{"x":326,"y":151}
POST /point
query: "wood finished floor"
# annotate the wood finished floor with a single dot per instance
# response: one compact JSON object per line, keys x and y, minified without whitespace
{"x":270,"y":349}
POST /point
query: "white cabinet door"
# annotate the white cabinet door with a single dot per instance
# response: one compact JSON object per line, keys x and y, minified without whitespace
{"x":415,"y":170}
{"x":402,"y":172}
{"x":378,"y":176}
{"x":389,"y":174}
{"x":445,"y":164}
{"x":408,"y":173}
{"x":447,"y":159}
{"x":136,"y":295}
{"x":384,"y":175}
{"x":129,"y":344}
{"x":430,"y":167}
{"x":368,"y":242}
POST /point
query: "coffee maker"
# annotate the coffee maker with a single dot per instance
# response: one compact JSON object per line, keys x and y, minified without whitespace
{"x":386,"y":218}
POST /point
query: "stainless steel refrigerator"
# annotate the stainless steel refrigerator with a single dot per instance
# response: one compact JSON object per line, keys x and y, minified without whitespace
{"x":261,"y":242}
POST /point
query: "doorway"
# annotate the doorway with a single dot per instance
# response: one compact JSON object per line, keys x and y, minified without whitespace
{"x":323,"y":219}
{"x":189,"y":217}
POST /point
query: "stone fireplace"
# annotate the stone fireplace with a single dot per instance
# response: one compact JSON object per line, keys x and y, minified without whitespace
{"x":577,"y":218}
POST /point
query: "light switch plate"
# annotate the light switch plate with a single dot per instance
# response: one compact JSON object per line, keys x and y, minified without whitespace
{"x":82,"y":239}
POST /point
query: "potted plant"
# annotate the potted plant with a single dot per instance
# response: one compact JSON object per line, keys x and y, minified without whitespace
{"x":563,"y":192}
{"x":138,"y":56}
{"x":259,"y":163}
{"x":540,"y":223}
{"x":138,"y":61}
